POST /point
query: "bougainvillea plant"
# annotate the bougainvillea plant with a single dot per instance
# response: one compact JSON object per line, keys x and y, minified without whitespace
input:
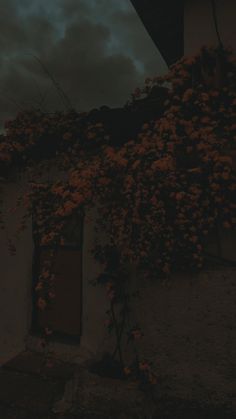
{"x":159,"y":194}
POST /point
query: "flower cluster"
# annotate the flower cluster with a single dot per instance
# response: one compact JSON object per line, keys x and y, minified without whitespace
{"x":142,"y":371}
{"x":160,"y":193}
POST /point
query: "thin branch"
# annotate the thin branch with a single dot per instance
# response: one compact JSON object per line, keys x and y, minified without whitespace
{"x":121,"y":330}
{"x":117,"y":333}
{"x":12,"y":100}
{"x":213,"y":5}
{"x":60,"y":91}
{"x":41,"y":102}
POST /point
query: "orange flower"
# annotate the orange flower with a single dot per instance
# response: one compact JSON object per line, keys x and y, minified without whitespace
{"x":179,"y":196}
{"x":68,"y":207}
{"x":152,"y":379}
{"x":111,"y":294}
{"x":136,"y":334}
{"x":187,"y":95}
{"x":127,"y":370}
{"x":110,"y":152}
{"x":91,"y":135}
{"x":47,"y":331}
{"x":193,"y":239}
{"x":214,"y":93}
{"x":195,"y":170}
{"x":47,"y":238}
{"x":144,"y":366}
{"x":135,"y":164}
{"x":163,"y":164}
{"x":41,"y":303}
{"x":46,"y":274}
{"x":204,"y":97}
{"x":59,"y":190}
{"x":77,"y":197}
{"x":109,"y":286}
{"x":225,"y":175}
{"x":67,"y":136}
{"x":51,"y":295}
{"x":226,"y":159}
{"x":166,"y":269}
{"x":39,"y":286}
{"x":104,"y":181}
{"x":215,"y":187}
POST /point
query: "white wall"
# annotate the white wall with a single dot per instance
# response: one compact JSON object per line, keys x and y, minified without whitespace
{"x":16,"y":289}
{"x":15,"y":281}
{"x":199,"y":25}
{"x":190,"y":335}
{"x":189,"y":325}
{"x":95,"y":303}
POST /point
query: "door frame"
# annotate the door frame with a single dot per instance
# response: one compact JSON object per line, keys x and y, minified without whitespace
{"x":35,"y":330}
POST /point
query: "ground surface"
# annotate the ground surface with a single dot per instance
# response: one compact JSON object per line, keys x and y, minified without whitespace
{"x":31,"y":389}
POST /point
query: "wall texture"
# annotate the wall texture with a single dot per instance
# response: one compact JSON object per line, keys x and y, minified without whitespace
{"x":94,"y":338}
{"x":199,"y":27}
{"x":190,"y":333}
{"x":15,"y":280}
{"x":189,"y":322}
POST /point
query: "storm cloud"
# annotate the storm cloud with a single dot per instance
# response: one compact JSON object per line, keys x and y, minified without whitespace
{"x":97,"y":50}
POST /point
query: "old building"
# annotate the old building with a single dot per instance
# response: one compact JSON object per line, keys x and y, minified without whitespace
{"x":189,"y":326}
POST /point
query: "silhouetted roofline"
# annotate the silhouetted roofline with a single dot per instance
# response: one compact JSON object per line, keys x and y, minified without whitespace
{"x":164,"y":21}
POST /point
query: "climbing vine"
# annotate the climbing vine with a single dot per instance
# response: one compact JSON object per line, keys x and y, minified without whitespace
{"x":159,"y":194}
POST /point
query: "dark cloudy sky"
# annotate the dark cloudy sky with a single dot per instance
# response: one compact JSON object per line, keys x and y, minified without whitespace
{"x":97,"y":50}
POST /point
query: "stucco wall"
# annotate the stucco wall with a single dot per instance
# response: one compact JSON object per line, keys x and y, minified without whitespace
{"x":16,"y":289}
{"x":199,"y":25}
{"x":94,"y":338}
{"x":15,"y":283}
{"x":190,"y":334}
{"x":189,"y":323}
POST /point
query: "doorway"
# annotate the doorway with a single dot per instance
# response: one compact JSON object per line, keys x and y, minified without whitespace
{"x":64,"y":314}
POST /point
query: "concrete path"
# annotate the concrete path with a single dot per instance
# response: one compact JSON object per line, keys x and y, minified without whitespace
{"x":29,"y":388}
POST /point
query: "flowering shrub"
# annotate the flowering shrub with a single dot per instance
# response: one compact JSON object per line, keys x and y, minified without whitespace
{"x":162,"y":192}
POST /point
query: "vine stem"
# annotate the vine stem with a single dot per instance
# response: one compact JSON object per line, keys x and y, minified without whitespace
{"x":213,"y":4}
{"x":121,"y":328}
{"x":60,"y":91}
{"x":133,"y":341}
{"x":118,"y":337}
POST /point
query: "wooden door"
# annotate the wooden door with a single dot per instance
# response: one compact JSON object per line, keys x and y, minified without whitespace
{"x":63,"y":315}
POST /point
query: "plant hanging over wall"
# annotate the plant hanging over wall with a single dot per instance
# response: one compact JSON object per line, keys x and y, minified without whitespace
{"x":159,"y":194}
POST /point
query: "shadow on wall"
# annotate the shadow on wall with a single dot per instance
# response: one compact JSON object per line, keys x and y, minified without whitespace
{"x":15,"y":288}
